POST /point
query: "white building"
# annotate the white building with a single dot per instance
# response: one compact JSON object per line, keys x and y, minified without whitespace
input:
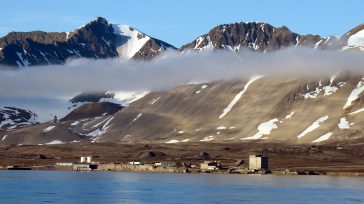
{"x":258,"y":162}
{"x":136,"y":163}
{"x":87,"y":160}
{"x":210,"y":165}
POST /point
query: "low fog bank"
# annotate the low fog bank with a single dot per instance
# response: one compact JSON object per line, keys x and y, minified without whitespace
{"x":46,"y":90}
{"x":171,"y":69}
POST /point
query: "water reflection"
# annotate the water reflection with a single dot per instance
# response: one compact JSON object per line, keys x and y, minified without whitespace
{"x":116,"y":187}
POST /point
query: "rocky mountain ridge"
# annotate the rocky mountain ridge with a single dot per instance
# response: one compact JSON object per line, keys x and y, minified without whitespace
{"x":97,"y":39}
{"x":263,"y":37}
{"x":101,"y":39}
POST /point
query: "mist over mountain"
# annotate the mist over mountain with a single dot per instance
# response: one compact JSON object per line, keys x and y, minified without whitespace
{"x":246,"y":81}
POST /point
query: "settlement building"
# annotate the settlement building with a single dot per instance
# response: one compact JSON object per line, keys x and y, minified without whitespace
{"x":258,"y":162}
{"x":136,"y":162}
{"x":85,"y":164}
{"x":87,"y":160}
{"x":210,"y":165}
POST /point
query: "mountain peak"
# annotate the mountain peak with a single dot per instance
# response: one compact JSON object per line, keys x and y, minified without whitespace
{"x":98,"y":20}
{"x":257,"y":36}
{"x":101,"y":39}
{"x":96,"y":39}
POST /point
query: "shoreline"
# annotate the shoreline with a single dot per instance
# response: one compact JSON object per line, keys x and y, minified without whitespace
{"x":195,"y":171}
{"x":283,"y":159}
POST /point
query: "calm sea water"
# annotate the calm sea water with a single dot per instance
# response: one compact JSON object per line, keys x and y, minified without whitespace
{"x":116,"y":187}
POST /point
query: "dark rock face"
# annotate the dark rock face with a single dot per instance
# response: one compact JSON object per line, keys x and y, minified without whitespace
{"x":100,"y":39}
{"x":96,"y":39}
{"x":255,"y":36}
{"x":15,"y":117}
{"x":151,"y":49}
{"x":91,"y":97}
{"x":151,"y":154}
{"x":89,"y":110}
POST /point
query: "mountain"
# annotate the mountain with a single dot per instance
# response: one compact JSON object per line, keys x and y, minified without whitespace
{"x":132,"y":43}
{"x":263,"y":37}
{"x":253,"y":35}
{"x":11,"y":118}
{"x":354,"y":39}
{"x":97,"y":39}
{"x":261,"y":109}
{"x":101,"y":39}
{"x":94,"y":109}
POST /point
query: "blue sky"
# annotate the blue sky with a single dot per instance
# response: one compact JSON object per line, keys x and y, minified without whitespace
{"x":179,"y":22}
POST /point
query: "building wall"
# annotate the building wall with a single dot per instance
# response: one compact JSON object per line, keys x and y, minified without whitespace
{"x":142,"y":167}
{"x":252,"y":162}
{"x":81,"y":167}
{"x":258,"y":162}
{"x":204,"y":166}
{"x":208,"y":166}
{"x":264,"y":163}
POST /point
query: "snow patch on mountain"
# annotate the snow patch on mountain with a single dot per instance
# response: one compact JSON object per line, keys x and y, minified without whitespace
{"x":221,"y":128}
{"x":354,"y":95}
{"x":67,"y":35}
{"x":172,"y":142}
{"x":44,"y":56}
{"x":264,"y":129}
{"x":154,"y":100}
{"x":54,"y":142}
{"x":135,"y":40}
{"x":357,"y":111}
{"x":105,"y":126}
{"x":202,"y":87}
{"x":314,"y":126}
{"x":136,"y":118}
{"x":357,"y":39}
{"x":24,"y":62}
{"x":208,"y":138}
{"x":239,"y":95}
{"x":14,"y":117}
{"x":209,"y":45}
{"x":75,"y":123}
{"x":125,"y":98}
{"x":289,"y":116}
{"x":327,"y":90}
{"x":344,"y":124}
{"x":96,"y":134}
{"x":103,"y":121}
{"x":323,"y":137}
{"x":49,"y":128}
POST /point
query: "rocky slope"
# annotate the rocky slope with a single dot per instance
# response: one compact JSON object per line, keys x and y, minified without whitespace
{"x":100,"y":39}
{"x":263,"y":37}
{"x":11,"y":118}
{"x":263,"y":109}
{"x":253,"y":35}
{"x":97,"y":39}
